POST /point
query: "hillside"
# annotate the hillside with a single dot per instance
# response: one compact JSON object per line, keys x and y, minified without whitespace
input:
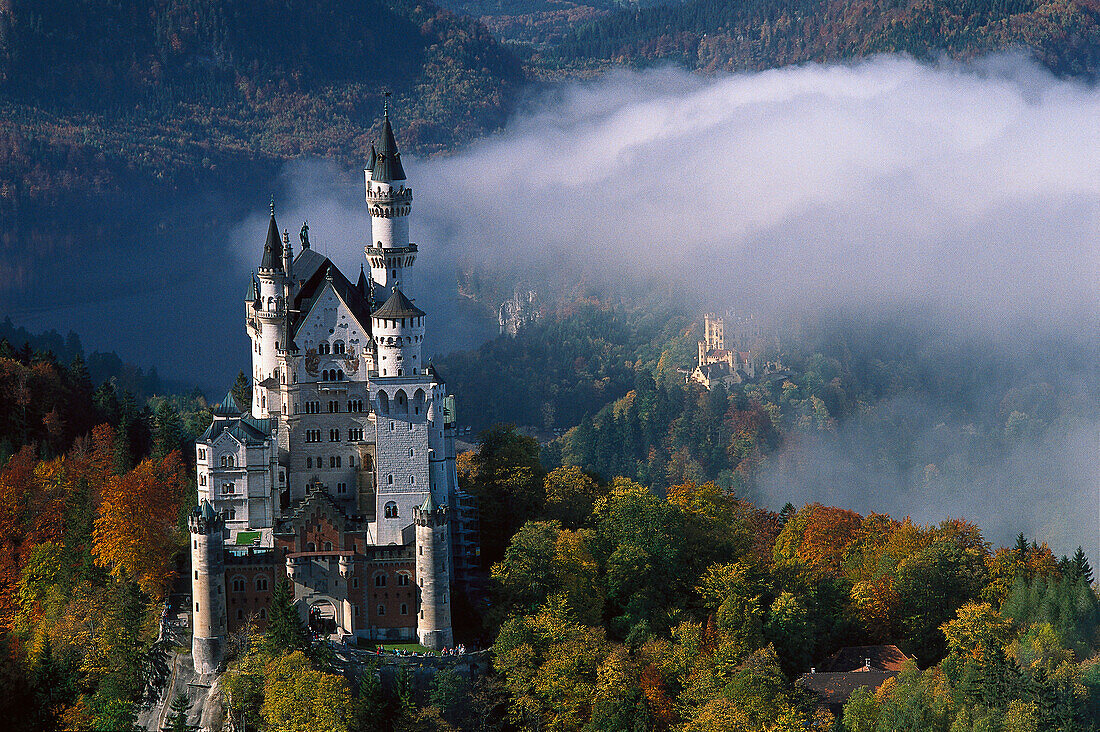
{"x":714,"y":35}
{"x":102,"y":96}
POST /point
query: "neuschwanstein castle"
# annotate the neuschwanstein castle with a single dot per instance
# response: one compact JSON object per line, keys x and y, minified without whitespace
{"x":340,"y":475}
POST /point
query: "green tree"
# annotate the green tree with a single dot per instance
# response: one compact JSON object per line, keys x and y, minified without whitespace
{"x":177,"y":717}
{"x":285,"y":630}
{"x":242,"y":390}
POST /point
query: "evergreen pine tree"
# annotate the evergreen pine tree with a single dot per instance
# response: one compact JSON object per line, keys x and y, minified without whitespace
{"x":177,"y":718}
{"x":167,"y":429}
{"x":1081,"y":567}
{"x":242,"y":390}
{"x":285,"y":631}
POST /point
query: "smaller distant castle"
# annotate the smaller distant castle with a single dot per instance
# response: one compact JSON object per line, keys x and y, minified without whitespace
{"x":522,"y":308}
{"x":718,"y":364}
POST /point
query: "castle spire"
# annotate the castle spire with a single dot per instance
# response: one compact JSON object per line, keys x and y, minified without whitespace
{"x":273,"y":247}
{"x":387,"y":163}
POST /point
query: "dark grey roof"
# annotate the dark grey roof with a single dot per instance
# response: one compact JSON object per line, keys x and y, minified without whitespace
{"x":311,"y":270}
{"x":228,"y":407}
{"x":253,"y":294}
{"x":398,"y":306}
{"x":245,"y":429}
{"x":387,"y":162}
{"x":373,"y":159}
{"x":363,"y":285}
{"x":273,"y":247}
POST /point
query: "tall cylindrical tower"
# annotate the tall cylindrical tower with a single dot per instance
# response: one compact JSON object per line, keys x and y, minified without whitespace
{"x":389,"y":252}
{"x":207,"y":588}
{"x":270,"y":322}
{"x":398,"y":330}
{"x":433,"y":622}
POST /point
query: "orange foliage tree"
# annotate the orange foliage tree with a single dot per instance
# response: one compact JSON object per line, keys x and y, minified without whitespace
{"x":135,"y":533}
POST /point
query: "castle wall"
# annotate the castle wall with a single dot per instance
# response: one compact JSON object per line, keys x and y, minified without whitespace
{"x":249,"y":580}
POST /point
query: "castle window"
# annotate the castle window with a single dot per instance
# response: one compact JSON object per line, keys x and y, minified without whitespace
{"x":341,"y":487}
{"x":404,"y":609}
{"x":328,"y":546}
{"x":338,"y":347}
{"x":339,"y":374}
{"x":411,"y":452}
{"x":238,"y":584}
{"x":381,"y":609}
{"x":263,"y":613}
{"x":412,"y":480}
{"x":355,"y":582}
{"x":351,"y":458}
{"x":227,"y":488}
{"x":390,"y":511}
{"x":309,"y":463}
{"x":261,"y":583}
{"x":202,"y":479}
{"x":196,"y":574}
{"x":402,"y":579}
{"x":311,"y":547}
{"x":379,"y":580}
{"x":230,"y":459}
{"x":225,"y":461}
{"x":322,"y":348}
{"x":389,"y":479}
{"x":334,"y":435}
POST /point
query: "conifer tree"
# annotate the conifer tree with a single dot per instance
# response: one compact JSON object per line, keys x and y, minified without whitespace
{"x":242,"y":390}
{"x":285,"y":631}
{"x":1080,"y":566}
{"x":177,"y":719}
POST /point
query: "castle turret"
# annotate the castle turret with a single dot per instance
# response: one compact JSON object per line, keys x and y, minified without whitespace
{"x":433,"y":622}
{"x":267,"y":328}
{"x":207,"y":588}
{"x":398,"y":330}
{"x":390,"y":202}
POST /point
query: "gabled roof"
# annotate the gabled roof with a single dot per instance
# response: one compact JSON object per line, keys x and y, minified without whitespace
{"x":273,"y":247}
{"x":244,"y":429}
{"x":398,"y":306}
{"x":387,"y":163}
{"x":313,"y":270}
{"x":836,"y":688}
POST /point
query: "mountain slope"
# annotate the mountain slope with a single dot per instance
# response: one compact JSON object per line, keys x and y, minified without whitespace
{"x":95,"y":94}
{"x":754,"y":34}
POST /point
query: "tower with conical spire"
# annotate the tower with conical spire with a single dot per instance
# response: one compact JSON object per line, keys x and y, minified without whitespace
{"x":390,"y":253}
{"x":267,"y":326}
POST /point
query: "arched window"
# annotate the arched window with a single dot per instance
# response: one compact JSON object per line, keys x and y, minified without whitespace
{"x":328,"y":546}
{"x":389,"y":479}
{"x":390,"y":510}
{"x":225,"y":461}
{"x":379,"y":580}
{"x":311,"y":547}
{"x":402,"y":579}
{"x":309,"y":463}
{"x":381,"y":609}
{"x":263,"y":613}
{"x":261,"y":583}
{"x":404,"y":609}
{"x":339,"y":374}
{"x":338,"y":347}
{"x":238,"y":584}
{"x":322,"y":348}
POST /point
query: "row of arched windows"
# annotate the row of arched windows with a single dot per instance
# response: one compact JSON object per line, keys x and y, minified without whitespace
{"x":332,"y":375}
{"x":239,"y":584}
{"x":324,"y":348}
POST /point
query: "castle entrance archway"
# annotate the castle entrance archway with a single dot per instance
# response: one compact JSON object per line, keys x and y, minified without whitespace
{"x":322,"y":617}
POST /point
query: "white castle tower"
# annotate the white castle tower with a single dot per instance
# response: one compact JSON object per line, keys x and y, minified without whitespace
{"x":390,"y":202}
{"x":207,"y":588}
{"x":268,"y":329}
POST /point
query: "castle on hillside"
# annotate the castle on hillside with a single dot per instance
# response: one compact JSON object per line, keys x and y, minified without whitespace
{"x":340,"y":475}
{"x":750,"y":340}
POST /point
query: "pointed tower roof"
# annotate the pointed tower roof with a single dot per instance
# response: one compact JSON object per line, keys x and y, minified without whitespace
{"x":253,"y":293}
{"x":228,"y":407}
{"x":387,"y":164}
{"x":362,"y":284}
{"x":398,"y":306}
{"x":207,"y":511}
{"x":273,"y":247}
{"x":428,"y":505}
{"x":373,"y":157}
